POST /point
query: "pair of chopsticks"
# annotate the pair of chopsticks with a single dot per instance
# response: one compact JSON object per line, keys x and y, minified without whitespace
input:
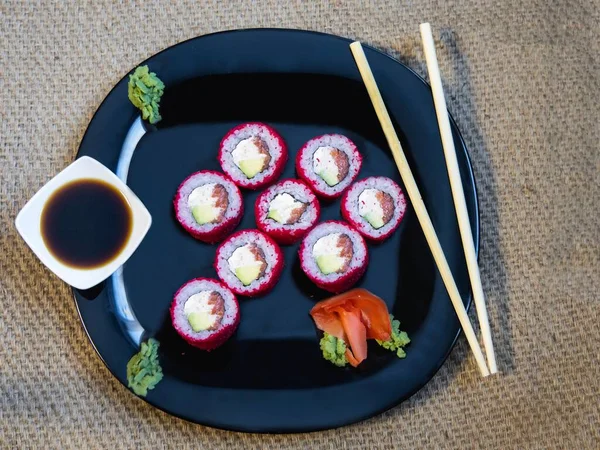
{"x":419,"y":205}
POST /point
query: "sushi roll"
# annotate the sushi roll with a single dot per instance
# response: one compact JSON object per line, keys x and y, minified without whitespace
{"x":334,"y":256}
{"x":205,"y":313}
{"x":208,"y":205}
{"x":287,"y":211}
{"x":253,"y":155}
{"x":374,"y":206}
{"x":328,"y":164}
{"x":249,"y":263}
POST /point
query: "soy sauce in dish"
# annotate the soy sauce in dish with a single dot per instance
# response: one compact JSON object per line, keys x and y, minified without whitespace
{"x":86,"y":223}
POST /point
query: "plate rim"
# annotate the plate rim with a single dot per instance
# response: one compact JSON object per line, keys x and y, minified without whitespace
{"x":476,"y":230}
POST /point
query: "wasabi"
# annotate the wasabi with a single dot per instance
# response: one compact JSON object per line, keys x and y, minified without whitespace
{"x":334,"y":350}
{"x":145,"y":90}
{"x":143,"y":370}
{"x":397,"y":340}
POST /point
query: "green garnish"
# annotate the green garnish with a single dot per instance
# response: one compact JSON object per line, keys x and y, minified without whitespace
{"x":333,"y":349}
{"x":397,"y":340}
{"x":145,"y":90}
{"x":143,"y":370}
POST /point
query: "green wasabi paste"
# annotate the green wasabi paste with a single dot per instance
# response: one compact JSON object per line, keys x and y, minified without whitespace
{"x":145,"y":90}
{"x":333,"y":349}
{"x":397,"y":340}
{"x":143,"y":370}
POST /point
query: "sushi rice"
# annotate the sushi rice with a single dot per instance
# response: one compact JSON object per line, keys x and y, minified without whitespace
{"x":230,"y":256}
{"x":205,"y":339}
{"x":333,"y":282}
{"x":316,"y":154}
{"x":208,"y":232}
{"x":298,"y":193}
{"x":237,"y":145}
{"x":357,"y":204}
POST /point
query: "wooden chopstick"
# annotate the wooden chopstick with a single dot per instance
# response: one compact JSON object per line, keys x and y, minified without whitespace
{"x":417,"y":202}
{"x":458,"y":194}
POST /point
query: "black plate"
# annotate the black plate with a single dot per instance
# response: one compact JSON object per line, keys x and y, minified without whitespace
{"x":270,"y":376}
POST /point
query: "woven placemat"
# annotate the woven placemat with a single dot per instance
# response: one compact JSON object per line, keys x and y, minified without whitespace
{"x":523,"y":81}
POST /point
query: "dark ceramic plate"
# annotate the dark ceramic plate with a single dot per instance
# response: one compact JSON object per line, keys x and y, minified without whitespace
{"x":270,"y":377}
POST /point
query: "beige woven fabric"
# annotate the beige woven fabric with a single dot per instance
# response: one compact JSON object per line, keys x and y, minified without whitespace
{"x":523,"y":81}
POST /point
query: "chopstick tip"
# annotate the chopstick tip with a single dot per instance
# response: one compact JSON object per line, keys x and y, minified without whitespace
{"x":425,"y":26}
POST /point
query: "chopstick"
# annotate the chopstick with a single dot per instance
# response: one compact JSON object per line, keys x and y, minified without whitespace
{"x":458,"y":194}
{"x":417,"y":202}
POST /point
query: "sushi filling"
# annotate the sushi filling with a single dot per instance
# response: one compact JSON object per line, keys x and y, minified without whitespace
{"x":376,"y":207}
{"x":208,"y":203}
{"x":333,"y":253}
{"x":247,"y":263}
{"x":331,"y":164}
{"x":285,"y":209}
{"x":252,"y":156}
{"x":204,"y":310}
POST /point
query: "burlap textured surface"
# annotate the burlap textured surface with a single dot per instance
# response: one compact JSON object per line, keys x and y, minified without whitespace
{"x":523,"y":81}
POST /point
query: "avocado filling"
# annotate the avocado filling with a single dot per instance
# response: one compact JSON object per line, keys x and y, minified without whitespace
{"x":285,"y":209}
{"x":247,"y":263}
{"x":204,"y":310}
{"x":252,"y":156}
{"x":331,"y":164}
{"x":376,"y":207}
{"x":208,"y":203}
{"x":333,"y":253}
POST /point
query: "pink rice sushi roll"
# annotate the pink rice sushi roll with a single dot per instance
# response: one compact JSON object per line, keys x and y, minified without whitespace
{"x":334,"y":256}
{"x":205,"y":313}
{"x":374,"y":206}
{"x":253,"y":155}
{"x":208,"y":205}
{"x":249,"y":263}
{"x":328,"y":164}
{"x":287,"y":211}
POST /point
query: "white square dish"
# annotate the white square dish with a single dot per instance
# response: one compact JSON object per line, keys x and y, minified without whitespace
{"x":28,"y":223}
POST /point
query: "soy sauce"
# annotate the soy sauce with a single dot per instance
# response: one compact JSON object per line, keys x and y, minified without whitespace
{"x":86,"y":223}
